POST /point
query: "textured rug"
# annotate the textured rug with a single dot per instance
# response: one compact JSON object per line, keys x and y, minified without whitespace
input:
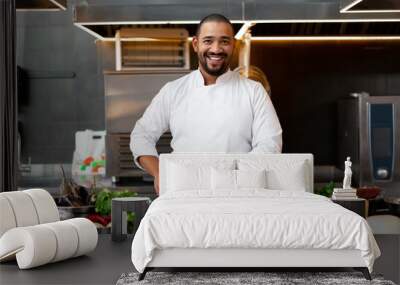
{"x":243,"y":278}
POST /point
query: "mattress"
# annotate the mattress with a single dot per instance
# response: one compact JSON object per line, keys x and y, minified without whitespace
{"x":250,"y":219}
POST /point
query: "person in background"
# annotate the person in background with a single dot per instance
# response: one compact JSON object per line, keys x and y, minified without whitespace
{"x":211,"y":109}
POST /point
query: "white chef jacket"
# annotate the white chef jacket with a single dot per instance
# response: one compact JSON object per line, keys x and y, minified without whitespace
{"x":234,"y":115}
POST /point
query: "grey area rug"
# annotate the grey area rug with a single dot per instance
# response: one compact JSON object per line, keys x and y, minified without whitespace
{"x":243,"y":278}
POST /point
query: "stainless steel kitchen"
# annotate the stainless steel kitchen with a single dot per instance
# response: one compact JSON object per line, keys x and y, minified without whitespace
{"x":102,"y":101}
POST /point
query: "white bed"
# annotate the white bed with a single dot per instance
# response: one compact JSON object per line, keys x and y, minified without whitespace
{"x":201,"y":220}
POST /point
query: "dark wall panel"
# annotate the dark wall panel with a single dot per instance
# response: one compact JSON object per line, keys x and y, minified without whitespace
{"x":307,"y":79}
{"x":64,"y":93}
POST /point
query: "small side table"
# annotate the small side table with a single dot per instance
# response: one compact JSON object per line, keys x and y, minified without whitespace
{"x":357,"y":205}
{"x":119,"y":207}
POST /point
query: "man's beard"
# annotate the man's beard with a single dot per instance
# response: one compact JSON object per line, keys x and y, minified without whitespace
{"x":214,"y":72}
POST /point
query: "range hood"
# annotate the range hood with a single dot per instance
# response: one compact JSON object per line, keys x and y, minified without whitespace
{"x":41,"y":5}
{"x":268,"y":18}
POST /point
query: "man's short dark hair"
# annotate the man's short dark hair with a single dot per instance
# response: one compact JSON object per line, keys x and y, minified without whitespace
{"x":214,"y":18}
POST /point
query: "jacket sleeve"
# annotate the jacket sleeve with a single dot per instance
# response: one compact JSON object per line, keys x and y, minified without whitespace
{"x":266,"y":129}
{"x":149,"y":128}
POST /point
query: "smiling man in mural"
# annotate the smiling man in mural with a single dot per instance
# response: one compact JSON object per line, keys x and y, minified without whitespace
{"x":212,"y":109}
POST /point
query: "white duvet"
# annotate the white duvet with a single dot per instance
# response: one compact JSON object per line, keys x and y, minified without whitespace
{"x":250,"y":219}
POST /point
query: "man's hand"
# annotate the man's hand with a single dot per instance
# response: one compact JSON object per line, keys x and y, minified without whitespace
{"x":150,"y":164}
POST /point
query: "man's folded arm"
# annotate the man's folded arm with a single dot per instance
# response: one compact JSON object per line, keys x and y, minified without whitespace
{"x":266,"y":129}
{"x":148,"y":129}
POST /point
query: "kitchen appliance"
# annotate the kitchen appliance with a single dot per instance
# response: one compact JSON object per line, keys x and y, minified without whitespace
{"x":127,"y":95}
{"x":369,"y":132}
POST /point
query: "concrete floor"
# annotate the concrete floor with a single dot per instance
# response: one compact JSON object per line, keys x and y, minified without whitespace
{"x":102,"y":266}
{"x":110,"y":259}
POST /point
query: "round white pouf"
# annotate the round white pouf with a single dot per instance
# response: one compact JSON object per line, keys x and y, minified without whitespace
{"x":87,"y":235}
{"x":33,"y":246}
{"x":23,"y":208}
{"x":45,"y":205}
{"x":6,"y":216}
{"x":40,"y":244}
{"x":67,"y":240}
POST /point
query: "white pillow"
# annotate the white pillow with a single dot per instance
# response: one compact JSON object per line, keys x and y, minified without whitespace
{"x":281,"y":175}
{"x":223,"y":179}
{"x":251,"y":178}
{"x":236,"y":179}
{"x":193,"y":175}
{"x":187,"y":178}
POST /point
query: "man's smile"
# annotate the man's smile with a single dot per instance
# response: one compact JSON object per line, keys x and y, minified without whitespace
{"x":215,"y":59}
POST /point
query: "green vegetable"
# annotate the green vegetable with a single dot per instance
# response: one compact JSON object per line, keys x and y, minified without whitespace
{"x":327,"y":190}
{"x":103,"y":204}
{"x":104,"y":197}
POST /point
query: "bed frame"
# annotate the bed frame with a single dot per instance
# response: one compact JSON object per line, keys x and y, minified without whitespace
{"x":242,"y":259}
{"x":246,"y":258}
